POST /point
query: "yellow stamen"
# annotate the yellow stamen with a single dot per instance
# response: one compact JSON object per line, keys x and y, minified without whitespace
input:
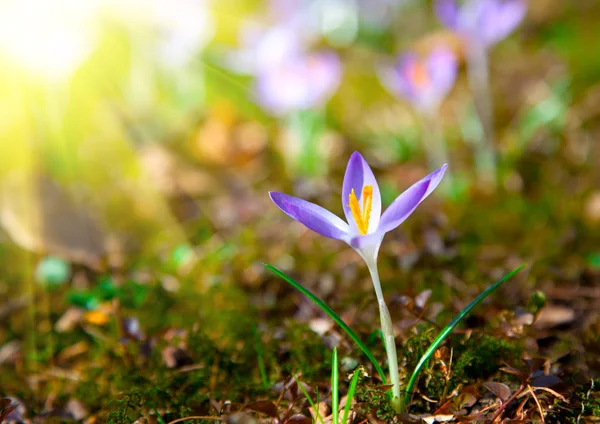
{"x":362,"y":217}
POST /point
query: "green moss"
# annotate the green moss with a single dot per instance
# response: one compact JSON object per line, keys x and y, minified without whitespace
{"x":480,"y":356}
{"x":373,"y":401}
{"x":305,"y":353}
{"x":474,"y":359}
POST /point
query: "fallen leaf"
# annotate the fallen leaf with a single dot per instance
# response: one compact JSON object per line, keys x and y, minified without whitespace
{"x":264,"y":406}
{"x":464,"y":400}
{"x":69,"y":320}
{"x":320,"y":325}
{"x":546,"y":381}
{"x":76,"y":409}
{"x":554,"y":315}
{"x":299,"y":419}
{"x":422,"y":298}
{"x":438,"y":419}
{"x":499,"y":389}
{"x":240,"y":418}
{"x":322,"y":410}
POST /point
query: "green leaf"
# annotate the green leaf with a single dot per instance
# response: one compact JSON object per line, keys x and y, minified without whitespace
{"x":351,"y":390}
{"x":448,"y":329}
{"x":83,"y":299}
{"x":333,"y":316}
{"x":312,"y":404}
{"x":335,"y":400}
{"x":593,"y":260}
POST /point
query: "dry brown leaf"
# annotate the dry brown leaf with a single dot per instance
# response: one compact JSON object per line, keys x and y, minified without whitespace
{"x":554,"y":315}
{"x":438,"y":419}
{"x":499,"y":389}
{"x":265,"y":406}
{"x":299,"y":419}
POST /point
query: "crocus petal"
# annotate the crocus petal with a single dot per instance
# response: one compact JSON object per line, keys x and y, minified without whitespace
{"x":325,"y":71}
{"x":442,"y":67}
{"x":500,"y":20}
{"x":370,"y":240}
{"x":359,"y":174}
{"x":482,"y":22}
{"x":447,"y":12}
{"x":407,"y":202}
{"x":393,"y":77}
{"x":316,"y":218}
{"x":422,"y":82}
{"x":298,"y":83}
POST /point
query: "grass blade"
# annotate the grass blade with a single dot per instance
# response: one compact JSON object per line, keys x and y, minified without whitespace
{"x":333,"y":316}
{"x":310,"y":401}
{"x":335,"y":394}
{"x":158,"y":417}
{"x":261,"y":360}
{"x":448,"y":329}
{"x":350,"y":395}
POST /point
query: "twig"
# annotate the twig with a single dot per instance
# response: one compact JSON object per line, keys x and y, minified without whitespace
{"x":537,"y":402}
{"x":549,"y":390}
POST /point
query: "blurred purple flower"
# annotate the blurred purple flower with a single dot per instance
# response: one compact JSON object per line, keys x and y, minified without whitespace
{"x":361,"y":200}
{"x":424,"y":82}
{"x":301,"y":82}
{"x":263,"y":48}
{"x":482,"y":22}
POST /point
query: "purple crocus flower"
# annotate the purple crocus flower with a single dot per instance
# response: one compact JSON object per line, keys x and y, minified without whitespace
{"x":424,"y":82}
{"x":361,"y":200}
{"x":364,"y":231}
{"x":482,"y":22}
{"x":301,"y":82}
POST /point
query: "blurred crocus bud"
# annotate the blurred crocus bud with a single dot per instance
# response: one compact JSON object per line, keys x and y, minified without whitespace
{"x":263,"y":48}
{"x":421,"y":81}
{"x":482,"y":23}
{"x":305,"y":81}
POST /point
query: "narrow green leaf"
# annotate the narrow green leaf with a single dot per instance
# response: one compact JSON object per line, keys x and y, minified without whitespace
{"x":310,"y":401}
{"x":158,"y":417}
{"x":350,"y":396}
{"x":333,"y":316}
{"x":261,"y":361}
{"x":448,"y":329}
{"x":335,"y":399}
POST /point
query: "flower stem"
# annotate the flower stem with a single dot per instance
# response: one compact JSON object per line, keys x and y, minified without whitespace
{"x":479,"y":82}
{"x":388,"y":336}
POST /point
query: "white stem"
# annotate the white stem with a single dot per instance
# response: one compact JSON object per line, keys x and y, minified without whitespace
{"x":479,"y":83}
{"x":388,"y":335}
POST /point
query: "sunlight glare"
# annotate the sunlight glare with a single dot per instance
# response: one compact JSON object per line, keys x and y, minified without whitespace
{"x":50,"y":38}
